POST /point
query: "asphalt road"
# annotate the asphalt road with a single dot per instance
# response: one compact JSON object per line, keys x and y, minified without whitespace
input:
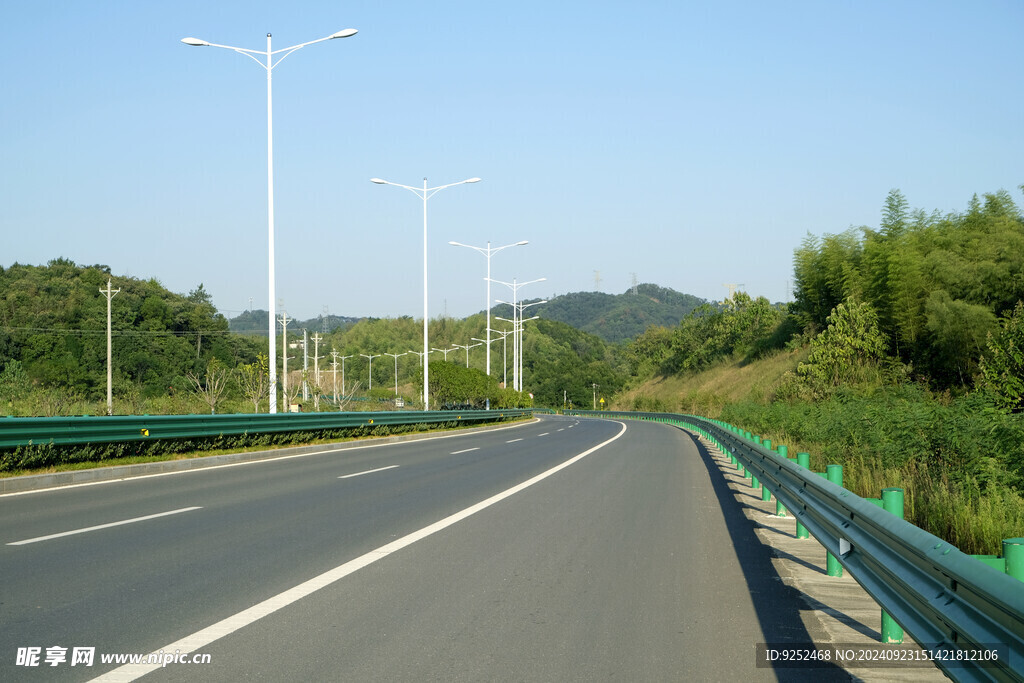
{"x":627,"y":563}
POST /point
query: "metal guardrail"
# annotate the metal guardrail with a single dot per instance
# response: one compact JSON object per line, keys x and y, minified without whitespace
{"x":946,"y":600}
{"x":26,"y":431}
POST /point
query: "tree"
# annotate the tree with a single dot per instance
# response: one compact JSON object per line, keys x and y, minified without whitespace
{"x":14,"y":387}
{"x":958,"y":331}
{"x":253,"y":380}
{"x":1002,"y":368}
{"x":845,"y":349}
{"x":211,"y":388}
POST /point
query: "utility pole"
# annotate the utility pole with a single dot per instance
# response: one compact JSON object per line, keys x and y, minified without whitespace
{"x":334,"y":370}
{"x":305,"y":365}
{"x":284,"y":352}
{"x":595,"y":396}
{"x":109,"y":292}
{"x":316,"y":359}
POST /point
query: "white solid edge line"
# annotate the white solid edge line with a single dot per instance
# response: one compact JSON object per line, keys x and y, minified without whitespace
{"x":359,"y":474}
{"x":102,"y":526}
{"x":200,"y":639}
{"x":254,"y":462}
{"x":465,"y":450}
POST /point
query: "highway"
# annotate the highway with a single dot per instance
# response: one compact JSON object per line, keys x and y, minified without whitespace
{"x":557,"y":550}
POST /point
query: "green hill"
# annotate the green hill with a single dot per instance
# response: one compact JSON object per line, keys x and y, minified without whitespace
{"x":617,"y":317}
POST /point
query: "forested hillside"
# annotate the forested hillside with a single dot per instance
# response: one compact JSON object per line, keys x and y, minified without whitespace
{"x":907,"y":351}
{"x":618,"y":317}
{"x":53,"y":325}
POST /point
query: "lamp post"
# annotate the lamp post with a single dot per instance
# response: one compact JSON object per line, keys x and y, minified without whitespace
{"x":467,"y":347}
{"x":269,"y":67}
{"x":488,"y":252}
{"x":504,"y":353}
{"x":425,"y":193}
{"x":514,"y":286}
{"x":369,"y":383}
{"x":446,"y":351}
{"x":522,"y":329}
{"x":421,"y":355}
{"x":396,"y":356}
{"x":343,"y":359}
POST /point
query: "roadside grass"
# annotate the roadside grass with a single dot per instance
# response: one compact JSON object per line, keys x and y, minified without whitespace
{"x":961,"y":464}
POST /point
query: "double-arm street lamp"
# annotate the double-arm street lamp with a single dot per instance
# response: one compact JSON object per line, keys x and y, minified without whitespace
{"x":269,"y":65}
{"x":425,"y":193}
{"x":396,"y":356}
{"x":516,"y":327}
{"x":467,"y":347}
{"x":488,"y":252}
{"x":369,"y":372}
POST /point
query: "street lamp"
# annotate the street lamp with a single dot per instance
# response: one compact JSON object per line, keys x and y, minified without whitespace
{"x":522,"y":329}
{"x":504,"y":352}
{"x":269,"y":66}
{"x":343,"y":359}
{"x":514,"y":286}
{"x":425,"y":193}
{"x":446,"y":351}
{"x":396,"y":356}
{"x":369,"y":372}
{"x":488,"y":252}
{"x":467,"y":347}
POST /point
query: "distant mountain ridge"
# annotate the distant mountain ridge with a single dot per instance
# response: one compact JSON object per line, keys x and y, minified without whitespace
{"x":612,"y":317}
{"x":255,"y":322}
{"x":618,"y":317}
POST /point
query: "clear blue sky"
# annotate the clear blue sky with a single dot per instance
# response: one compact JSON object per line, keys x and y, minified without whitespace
{"x":693,"y":144}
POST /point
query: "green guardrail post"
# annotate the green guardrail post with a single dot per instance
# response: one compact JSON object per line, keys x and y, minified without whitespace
{"x":892,"y":502}
{"x":834,"y":473}
{"x":766,"y":495}
{"x":756,"y":439}
{"x":804,"y":460}
{"x":1013,"y":553}
{"x":780,"y":509}
{"x":767,"y":443}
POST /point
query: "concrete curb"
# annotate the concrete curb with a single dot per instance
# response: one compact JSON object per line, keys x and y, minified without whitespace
{"x":842,"y":609}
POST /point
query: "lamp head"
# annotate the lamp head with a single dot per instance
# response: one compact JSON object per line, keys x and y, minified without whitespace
{"x":378,"y":181}
{"x":346,"y":33}
{"x":195,"y":42}
{"x":472,"y":180}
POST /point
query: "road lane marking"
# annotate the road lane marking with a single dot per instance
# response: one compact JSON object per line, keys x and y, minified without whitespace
{"x":359,"y":474}
{"x":200,"y":639}
{"x":465,"y":450}
{"x":544,"y":434}
{"x":102,"y":526}
{"x":386,"y":442}
{"x":513,"y":440}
